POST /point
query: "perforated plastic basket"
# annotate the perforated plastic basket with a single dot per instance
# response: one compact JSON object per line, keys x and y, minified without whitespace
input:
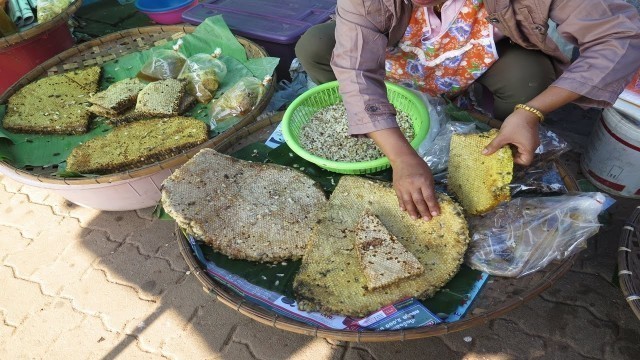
{"x":318,"y":98}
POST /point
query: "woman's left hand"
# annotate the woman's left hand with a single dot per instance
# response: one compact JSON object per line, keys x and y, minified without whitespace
{"x":519,"y":129}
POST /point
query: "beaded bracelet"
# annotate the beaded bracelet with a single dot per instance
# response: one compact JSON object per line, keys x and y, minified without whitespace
{"x":530,"y":109}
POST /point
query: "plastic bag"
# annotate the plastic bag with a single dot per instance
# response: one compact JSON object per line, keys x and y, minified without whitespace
{"x":551,"y":145}
{"x":526,"y":234}
{"x":287,"y":91}
{"x":542,"y":177}
{"x":203,"y":73}
{"x":48,"y":9}
{"x":437,"y":153}
{"x":163,"y":64}
{"x":237,"y":101}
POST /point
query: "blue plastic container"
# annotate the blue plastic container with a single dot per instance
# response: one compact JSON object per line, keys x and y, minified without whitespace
{"x":161,"y":5}
{"x":275,"y":24}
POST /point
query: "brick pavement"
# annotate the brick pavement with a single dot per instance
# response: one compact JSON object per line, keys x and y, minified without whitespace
{"x":83,"y":284}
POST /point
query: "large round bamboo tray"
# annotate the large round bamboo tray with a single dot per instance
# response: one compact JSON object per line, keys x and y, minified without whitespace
{"x":21,"y":52}
{"x":132,"y":189}
{"x":629,"y":261}
{"x":498,"y":297}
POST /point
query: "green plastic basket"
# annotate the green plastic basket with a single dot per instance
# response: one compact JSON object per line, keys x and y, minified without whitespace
{"x":325,"y":95}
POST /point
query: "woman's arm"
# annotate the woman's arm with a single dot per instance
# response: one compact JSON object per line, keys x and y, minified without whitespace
{"x":521,"y":127}
{"x":607,"y":34}
{"x":358,"y":63}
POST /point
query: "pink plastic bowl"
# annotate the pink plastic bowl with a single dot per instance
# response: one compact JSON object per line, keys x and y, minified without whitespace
{"x":170,"y":17}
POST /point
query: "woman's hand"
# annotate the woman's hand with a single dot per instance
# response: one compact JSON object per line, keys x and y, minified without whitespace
{"x":412,"y":178}
{"x":413,"y":183}
{"x":519,"y":129}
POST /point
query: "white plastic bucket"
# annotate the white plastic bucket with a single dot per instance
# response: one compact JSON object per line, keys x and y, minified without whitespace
{"x":612,"y":159}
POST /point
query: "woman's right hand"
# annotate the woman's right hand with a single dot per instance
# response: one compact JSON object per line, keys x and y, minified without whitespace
{"x":413,"y":183}
{"x":412,"y":178}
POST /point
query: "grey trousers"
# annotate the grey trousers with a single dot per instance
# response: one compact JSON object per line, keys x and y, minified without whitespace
{"x":516,"y":77}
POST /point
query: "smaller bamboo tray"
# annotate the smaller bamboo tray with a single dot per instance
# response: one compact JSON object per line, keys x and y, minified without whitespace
{"x":629,"y":261}
{"x":498,"y":297}
{"x":110,"y":47}
{"x":18,"y":38}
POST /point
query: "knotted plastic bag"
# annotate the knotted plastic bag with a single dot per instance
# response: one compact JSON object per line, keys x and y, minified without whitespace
{"x":237,"y":101}
{"x":204,"y":73}
{"x":526,"y":234}
{"x":163,"y":64}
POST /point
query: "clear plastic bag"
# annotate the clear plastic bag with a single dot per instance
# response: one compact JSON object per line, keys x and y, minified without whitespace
{"x":163,"y":64}
{"x":48,"y":9}
{"x":237,"y":101}
{"x":437,"y":153}
{"x":551,"y":145}
{"x":542,"y":177}
{"x":203,"y":73}
{"x":526,"y":234}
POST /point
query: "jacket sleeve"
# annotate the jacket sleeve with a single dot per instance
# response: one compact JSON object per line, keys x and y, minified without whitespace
{"x":358,"y":63}
{"x":607,"y":33}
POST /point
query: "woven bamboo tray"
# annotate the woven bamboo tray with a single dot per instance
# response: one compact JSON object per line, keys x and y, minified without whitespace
{"x":498,"y":297}
{"x":629,"y":261}
{"x":85,"y":191}
{"x":22,"y":36}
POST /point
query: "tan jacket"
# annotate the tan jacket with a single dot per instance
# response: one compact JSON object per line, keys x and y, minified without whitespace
{"x":607,"y":33}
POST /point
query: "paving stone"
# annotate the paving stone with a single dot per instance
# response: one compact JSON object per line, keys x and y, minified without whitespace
{"x":19,"y":298}
{"x":178,"y":305}
{"x":240,"y":351}
{"x":508,"y":338}
{"x":36,"y":195}
{"x":45,"y":248}
{"x":601,"y":256}
{"x":557,"y":350}
{"x":265,"y":342}
{"x":5,"y":197}
{"x":30,"y":219}
{"x":89,"y":340}
{"x":9,"y":184}
{"x":11,"y":241}
{"x":625,"y":347}
{"x":75,"y":260}
{"x":210,"y":328}
{"x":41,"y":329}
{"x":118,"y":224}
{"x":146,"y":213}
{"x":154,"y":237}
{"x":603,"y":300}
{"x":117,"y":305}
{"x":429,"y":348}
{"x":6,"y":331}
{"x":150,"y":275}
{"x":64,"y":207}
{"x":133,"y":352}
{"x":573,"y":325}
{"x":171,"y":253}
{"x":456,"y":341}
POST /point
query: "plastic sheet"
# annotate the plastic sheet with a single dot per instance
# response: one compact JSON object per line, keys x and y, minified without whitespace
{"x":287,"y":91}
{"x":436,"y":154}
{"x":541,"y":177}
{"x":551,"y":145}
{"x":203,"y":73}
{"x":163,"y":64}
{"x":526,"y":234}
{"x":48,"y":9}
{"x":237,"y":101}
